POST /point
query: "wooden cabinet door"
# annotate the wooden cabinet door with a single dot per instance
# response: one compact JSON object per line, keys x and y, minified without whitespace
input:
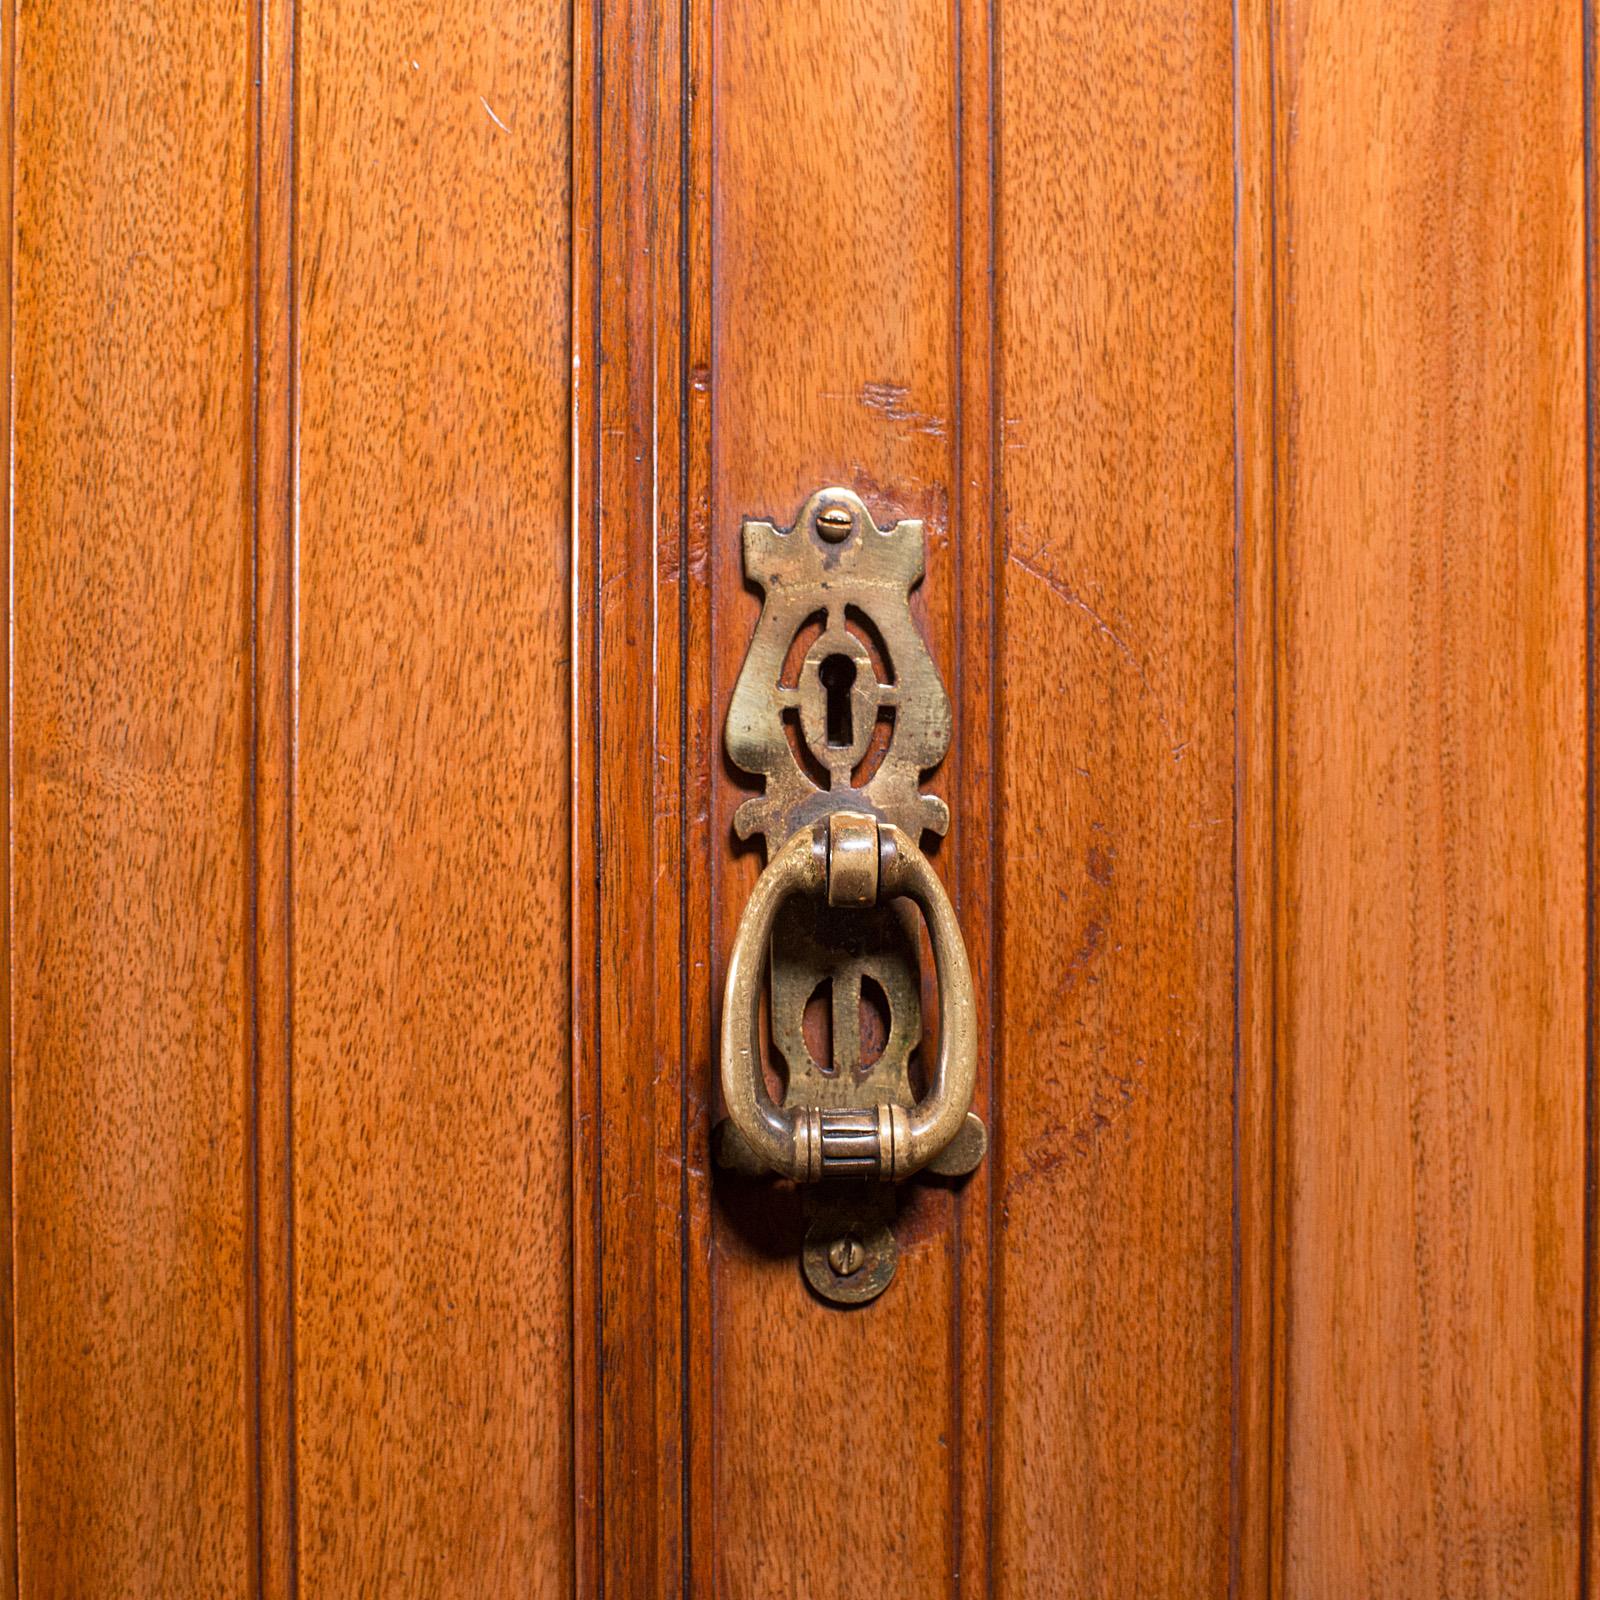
{"x":387,"y":384}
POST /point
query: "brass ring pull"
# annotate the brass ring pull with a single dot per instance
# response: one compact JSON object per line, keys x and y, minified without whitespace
{"x":853,"y":860}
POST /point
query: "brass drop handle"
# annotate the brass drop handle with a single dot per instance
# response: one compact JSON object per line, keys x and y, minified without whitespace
{"x":852,"y":860}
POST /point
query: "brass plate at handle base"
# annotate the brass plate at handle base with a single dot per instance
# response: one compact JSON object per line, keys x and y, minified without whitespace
{"x":850,"y":1250}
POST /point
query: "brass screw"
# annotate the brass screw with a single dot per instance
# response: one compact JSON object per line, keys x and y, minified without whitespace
{"x":845,"y":1255}
{"x":834,"y":524}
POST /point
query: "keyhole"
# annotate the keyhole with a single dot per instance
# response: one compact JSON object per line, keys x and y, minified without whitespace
{"x":838,"y":675}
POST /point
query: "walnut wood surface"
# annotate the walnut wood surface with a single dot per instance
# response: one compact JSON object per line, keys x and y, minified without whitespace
{"x":1115,"y":576}
{"x":388,"y":384}
{"x":430,"y":803}
{"x":130,"y":1059}
{"x":1431,"y":792}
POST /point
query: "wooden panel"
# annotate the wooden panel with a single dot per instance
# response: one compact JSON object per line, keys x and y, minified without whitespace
{"x":431,"y":809}
{"x":1115,"y":571}
{"x":130,"y":611}
{"x":1432,"y":791}
{"x":833,"y":303}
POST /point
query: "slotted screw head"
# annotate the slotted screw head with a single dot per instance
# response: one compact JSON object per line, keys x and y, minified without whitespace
{"x":834,"y":524}
{"x":845,"y":1255}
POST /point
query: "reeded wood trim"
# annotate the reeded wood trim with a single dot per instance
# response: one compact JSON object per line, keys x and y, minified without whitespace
{"x":637,"y":1003}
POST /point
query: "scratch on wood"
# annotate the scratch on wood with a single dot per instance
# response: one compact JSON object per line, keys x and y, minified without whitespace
{"x":1084,"y":957}
{"x":1176,"y":745}
{"x":1063,"y":1141}
{"x":890,"y":399}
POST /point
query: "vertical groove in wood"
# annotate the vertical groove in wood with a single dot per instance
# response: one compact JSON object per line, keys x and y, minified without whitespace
{"x":1259,"y":1239}
{"x":587,"y":1418}
{"x":975,"y":693}
{"x":957,"y":1389}
{"x":994,"y":702}
{"x":687,"y":786}
{"x":588,"y":1335}
{"x":10,"y":1522}
{"x":10,"y":1549}
{"x":251,"y":1174}
{"x":1277,"y":977}
{"x":1588,"y":1507}
{"x":996,"y":706}
{"x":274,"y":692}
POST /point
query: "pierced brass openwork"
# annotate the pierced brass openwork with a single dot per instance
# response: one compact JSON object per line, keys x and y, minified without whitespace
{"x":839,"y":708}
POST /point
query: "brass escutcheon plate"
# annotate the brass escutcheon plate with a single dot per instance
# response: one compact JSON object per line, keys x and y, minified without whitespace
{"x":839,"y":707}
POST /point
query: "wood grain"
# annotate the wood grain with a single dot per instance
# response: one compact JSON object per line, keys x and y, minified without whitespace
{"x":430,"y":826}
{"x":389,"y":382}
{"x":1432,"y":796}
{"x":130,"y":612}
{"x":833,"y":317}
{"x":1115,"y":572}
